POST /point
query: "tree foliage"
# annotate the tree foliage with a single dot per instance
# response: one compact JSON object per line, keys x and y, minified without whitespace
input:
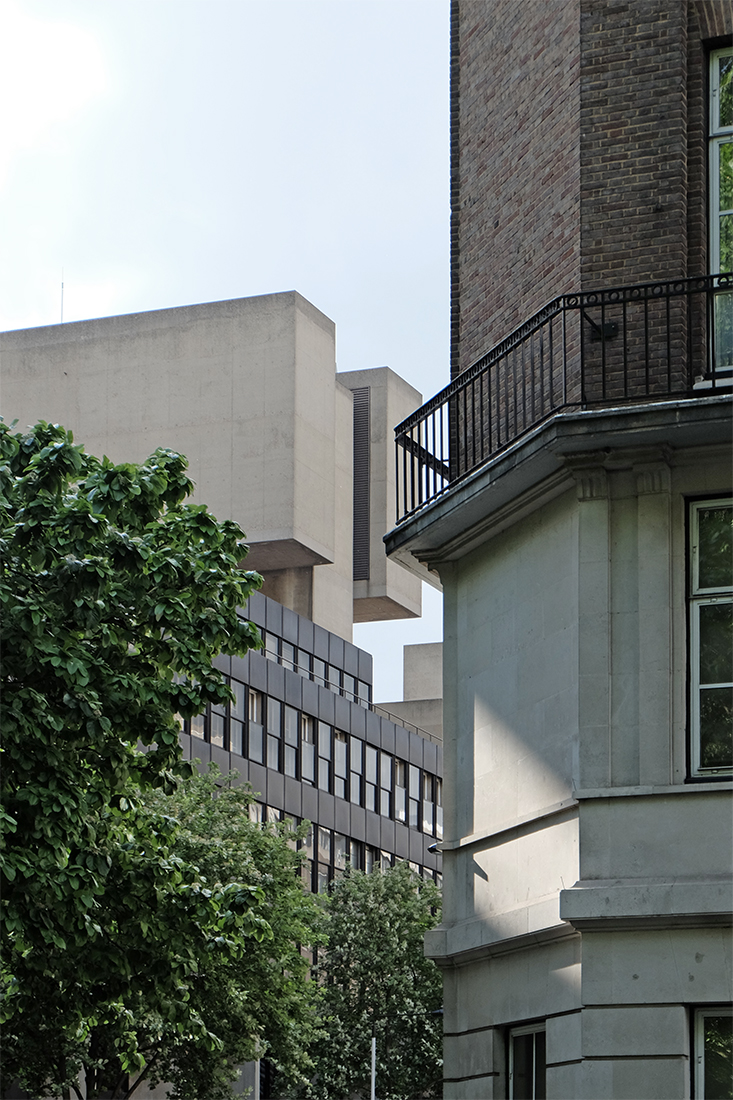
{"x":114,"y":597}
{"x":373,"y":975}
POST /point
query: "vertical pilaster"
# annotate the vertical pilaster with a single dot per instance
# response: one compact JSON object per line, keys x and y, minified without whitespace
{"x":655,"y":625}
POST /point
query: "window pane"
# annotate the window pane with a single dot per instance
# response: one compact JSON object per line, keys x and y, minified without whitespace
{"x":715,"y":546}
{"x":523,"y":1067}
{"x":291,"y":725}
{"x":356,"y":755}
{"x":356,"y":789}
{"x":255,"y":706}
{"x":364,"y":691}
{"x":400,"y":804}
{"x":274,"y":711}
{"x":291,"y":761}
{"x":255,"y":742}
{"x":324,"y":774}
{"x":414,"y":781}
{"x":339,"y":850}
{"x":308,"y":762}
{"x":339,"y":786}
{"x":385,"y":771}
{"x":236,"y":739}
{"x":324,"y":740}
{"x":718,"y":1039}
{"x":356,"y":857}
{"x":427,"y":787}
{"x":371,"y":764}
{"x":414,"y":807}
{"x":725,"y":85}
{"x":348,"y":685}
{"x":324,"y":845}
{"x":304,"y":662}
{"x":237,"y":706}
{"x":334,"y":678}
{"x":724,"y":303}
{"x":273,"y":753}
{"x":322,"y":878}
{"x":287,"y":655}
{"x":339,"y":747}
{"x":198,"y":725}
{"x":427,"y":818}
{"x":370,"y":796}
{"x":400,"y":773}
{"x":319,"y":670}
{"x":716,"y":727}
{"x":272,"y":646}
{"x":385,"y":803}
{"x":217,"y":729}
{"x":716,"y":643}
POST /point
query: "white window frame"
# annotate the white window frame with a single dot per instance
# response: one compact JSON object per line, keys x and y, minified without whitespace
{"x":528,"y":1029}
{"x":719,"y":135}
{"x":701,"y":597}
{"x":699,"y":1040}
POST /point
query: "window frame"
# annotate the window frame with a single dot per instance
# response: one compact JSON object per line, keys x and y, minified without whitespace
{"x":700,"y":596}
{"x":537,"y":1028}
{"x":698,"y":1060}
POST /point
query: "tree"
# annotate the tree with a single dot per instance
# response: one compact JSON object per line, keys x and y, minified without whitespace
{"x":259,"y":1002}
{"x":374,"y":976}
{"x":114,"y":597}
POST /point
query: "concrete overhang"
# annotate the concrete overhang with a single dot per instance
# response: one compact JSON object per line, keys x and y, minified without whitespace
{"x":538,"y":467}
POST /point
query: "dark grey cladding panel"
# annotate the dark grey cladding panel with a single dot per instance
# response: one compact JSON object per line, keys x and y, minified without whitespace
{"x":365,"y":666}
{"x":201,"y":750}
{"x":401,"y":841}
{"x":293,"y":797}
{"x":373,"y":831}
{"x":342,"y":712}
{"x":388,"y":735}
{"x":310,"y":803}
{"x":358,"y":823}
{"x":256,"y":608}
{"x":293,"y":688}
{"x":275,"y":680}
{"x":343,"y":817}
{"x":274,"y":617}
{"x":258,"y":779}
{"x":275,"y":790}
{"x":416,"y":847}
{"x":241,"y":766}
{"x":290,"y":626}
{"x":357,"y":719}
{"x":336,"y":650}
{"x":258,"y":671}
{"x":310,"y":698}
{"x":320,"y":642}
{"x":221,"y":758}
{"x":416,"y":749}
{"x":430,"y":859}
{"x":326,"y":810}
{"x":240,"y":668}
{"x":402,"y":743}
{"x":325,"y":705}
{"x":373,"y":728}
{"x":305,"y":634}
{"x":430,"y":756}
{"x":185,"y":739}
{"x":351,"y":659}
{"x":223,"y":662}
{"x":387,"y":835}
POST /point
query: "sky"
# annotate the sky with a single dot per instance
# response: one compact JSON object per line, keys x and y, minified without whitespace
{"x":158,"y":153}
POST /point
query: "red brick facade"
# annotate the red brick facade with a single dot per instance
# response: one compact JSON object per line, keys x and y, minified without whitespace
{"x":578,"y":152}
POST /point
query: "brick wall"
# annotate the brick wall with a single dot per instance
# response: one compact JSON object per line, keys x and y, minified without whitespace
{"x":633,"y":161}
{"x":578,"y":152}
{"x":515,"y":165}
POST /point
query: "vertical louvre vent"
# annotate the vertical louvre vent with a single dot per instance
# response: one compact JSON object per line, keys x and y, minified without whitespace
{"x":361,"y":483}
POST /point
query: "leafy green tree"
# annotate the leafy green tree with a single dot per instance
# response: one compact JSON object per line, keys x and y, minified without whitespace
{"x":258,"y":1002}
{"x":374,"y":976}
{"x":114,"y":597}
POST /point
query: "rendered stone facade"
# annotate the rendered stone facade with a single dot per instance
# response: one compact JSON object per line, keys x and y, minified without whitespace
{"x":586,"y":939}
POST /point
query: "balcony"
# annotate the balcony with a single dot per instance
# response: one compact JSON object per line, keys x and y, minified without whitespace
{"x":596,"y":349}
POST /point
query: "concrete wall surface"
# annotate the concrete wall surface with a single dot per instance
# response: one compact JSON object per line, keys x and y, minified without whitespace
{"x":423,"y":671}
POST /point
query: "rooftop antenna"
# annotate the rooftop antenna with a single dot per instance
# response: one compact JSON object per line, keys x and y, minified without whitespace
{"x":62,"y":295}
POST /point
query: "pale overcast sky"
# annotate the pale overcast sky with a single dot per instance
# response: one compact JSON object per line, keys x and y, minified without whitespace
{"x":167,"y":152}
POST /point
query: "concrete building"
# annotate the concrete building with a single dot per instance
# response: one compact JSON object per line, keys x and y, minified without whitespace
{"x":303,"y":459}
{"x":572,"y":489}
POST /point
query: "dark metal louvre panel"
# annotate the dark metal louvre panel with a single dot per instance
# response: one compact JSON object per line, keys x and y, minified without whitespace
{"x":361,"y":483}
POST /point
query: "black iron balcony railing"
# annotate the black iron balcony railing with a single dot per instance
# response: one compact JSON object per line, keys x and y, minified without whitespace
{"x":597,"y":348}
